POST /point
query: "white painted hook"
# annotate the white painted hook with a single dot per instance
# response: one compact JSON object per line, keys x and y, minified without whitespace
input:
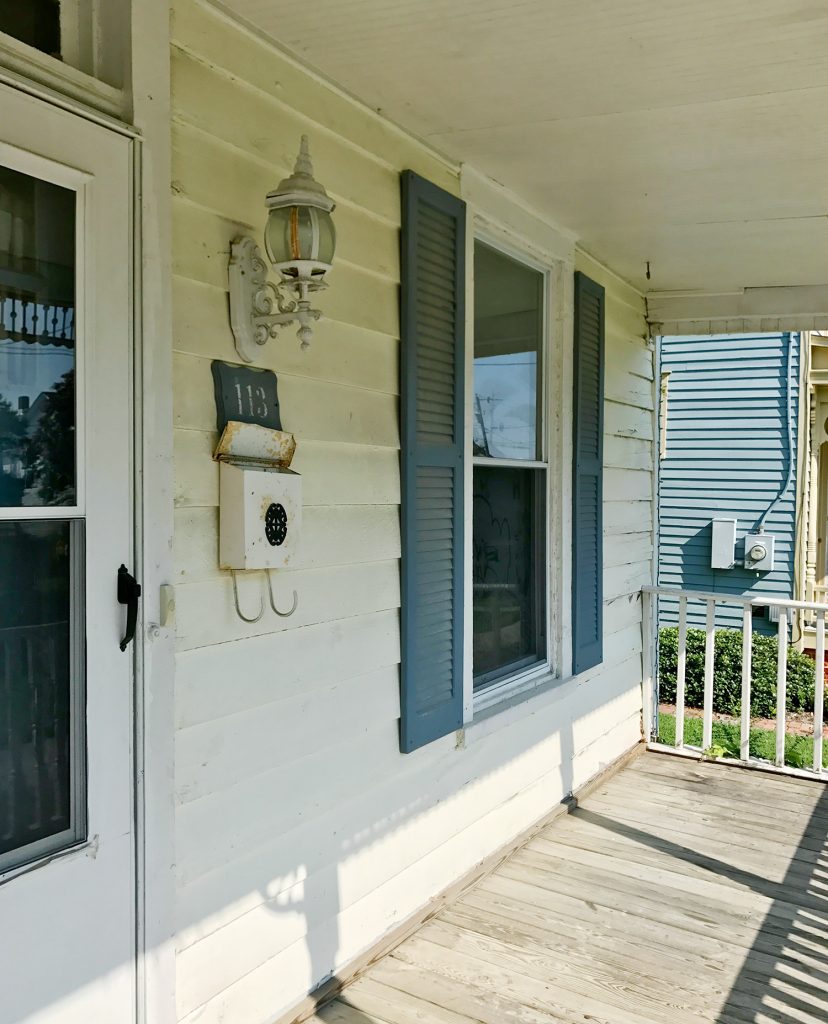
{"x":293,"y":607}
{"x":239,"y":612}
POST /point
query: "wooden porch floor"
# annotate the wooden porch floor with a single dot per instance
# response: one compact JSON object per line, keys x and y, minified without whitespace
{"x":676,"y":892}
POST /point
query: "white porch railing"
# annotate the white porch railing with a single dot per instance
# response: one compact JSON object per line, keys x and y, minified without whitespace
{"x":786,"y":610}
{"x":820,"y":596}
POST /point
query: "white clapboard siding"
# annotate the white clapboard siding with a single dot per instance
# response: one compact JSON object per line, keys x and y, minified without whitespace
{"x":622,"y":517}
{"x":241,"y":746}
{"x":331,"y":535}
{"x":622,"y":613}
{"x":333,"y":473}
{"x":328,"y":412}
{"x":360,"y":243}
{"x":205,"y":611}
{"x":628,"y":453}
{"x":627,"y":421}
{"x":337,"y":351}
{"x":307,"y":657}
{"x":202,"y":31}
{"x":361,"y":180}
{"x":627,"y":484}
{"x":635,"y":548}
{"x":276,"y":925}
{"x":302,"y":834}
{"x":445,"y":777}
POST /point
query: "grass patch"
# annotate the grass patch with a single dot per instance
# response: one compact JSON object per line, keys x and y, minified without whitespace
{"x":799,"y":750}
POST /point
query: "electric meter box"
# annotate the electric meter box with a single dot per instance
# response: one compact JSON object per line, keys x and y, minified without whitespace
{"x":759,"y":552}
{"x":260,"y":517}
{"x":723,"y":544}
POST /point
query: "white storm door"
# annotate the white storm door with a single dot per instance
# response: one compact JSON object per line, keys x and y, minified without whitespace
{"x":67,"y":891}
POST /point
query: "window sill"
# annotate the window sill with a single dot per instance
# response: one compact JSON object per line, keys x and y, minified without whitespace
{"x":546,"y":691}
{"x":510,"y":691}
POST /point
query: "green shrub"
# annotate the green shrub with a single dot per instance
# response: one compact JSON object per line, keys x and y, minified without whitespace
{"x":727,"y":673}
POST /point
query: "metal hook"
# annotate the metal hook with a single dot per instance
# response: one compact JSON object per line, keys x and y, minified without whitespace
{"x":239,"y":612}
{"x":293,"y":607}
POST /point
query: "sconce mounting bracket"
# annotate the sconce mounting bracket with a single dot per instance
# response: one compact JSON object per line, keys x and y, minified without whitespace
{"x":257,"y":306}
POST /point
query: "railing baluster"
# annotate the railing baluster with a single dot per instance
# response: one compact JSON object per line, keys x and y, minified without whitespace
{"x":787,"y":608}
{"x":681,"y":671}
{"x":650,"y":669}
{"x":709,"y":658}
{"x":781,"y":685}
{"x":819,"y":689}
{"x":747,"y":655}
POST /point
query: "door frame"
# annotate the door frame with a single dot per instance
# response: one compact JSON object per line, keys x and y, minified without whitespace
{"x":154,"y":715}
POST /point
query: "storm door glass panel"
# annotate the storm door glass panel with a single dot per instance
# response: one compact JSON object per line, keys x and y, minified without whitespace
{"x":42,"y":751}
{"x":508,"y":324}
{"x":40,"y":687}
{"x":37,"y":342}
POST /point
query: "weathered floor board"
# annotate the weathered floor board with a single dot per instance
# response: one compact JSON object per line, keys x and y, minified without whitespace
{"x":677,"y":892}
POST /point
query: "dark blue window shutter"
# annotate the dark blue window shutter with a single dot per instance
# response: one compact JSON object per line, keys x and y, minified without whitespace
{"x":587,"y":484}
{"x":432,"y":374}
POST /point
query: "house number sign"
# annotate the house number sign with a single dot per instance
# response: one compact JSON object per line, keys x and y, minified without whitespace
{"x":246,"y":395}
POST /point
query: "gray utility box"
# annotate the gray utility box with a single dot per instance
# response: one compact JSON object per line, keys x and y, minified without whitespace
{"x":723,"y":544}
{"x":759,"y":552}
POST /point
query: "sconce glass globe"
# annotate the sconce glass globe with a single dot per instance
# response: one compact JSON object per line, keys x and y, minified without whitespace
{"x":297,"y":235}
{"x":300,"y":238}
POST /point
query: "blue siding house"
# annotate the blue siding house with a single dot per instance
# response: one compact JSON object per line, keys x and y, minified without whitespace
{"x":729,"y":433}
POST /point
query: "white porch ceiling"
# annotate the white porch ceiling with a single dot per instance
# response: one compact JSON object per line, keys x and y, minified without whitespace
{"x":690,"y":135}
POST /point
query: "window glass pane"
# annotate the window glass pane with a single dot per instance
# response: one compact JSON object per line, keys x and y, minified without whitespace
{"x":37,"y":342}
{"x":36,"y":681}
{"x":34,"y":22}
{"x":508,"y":324}
{"x":508,"y":570}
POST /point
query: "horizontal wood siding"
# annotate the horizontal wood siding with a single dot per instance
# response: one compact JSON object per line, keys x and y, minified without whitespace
{"x":727,"y":456}
{"x":302,"y":833}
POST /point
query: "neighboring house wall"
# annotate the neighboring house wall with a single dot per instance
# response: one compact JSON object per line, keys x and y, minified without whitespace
{"x":727,"y":455}
{"x":302,"y":833}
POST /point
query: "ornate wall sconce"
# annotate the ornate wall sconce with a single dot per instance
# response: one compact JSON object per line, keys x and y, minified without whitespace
{"x":300,"y":240}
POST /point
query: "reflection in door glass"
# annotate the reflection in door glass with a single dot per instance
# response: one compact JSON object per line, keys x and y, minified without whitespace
{"x":37,"y":342}
{"x":36,"y":682}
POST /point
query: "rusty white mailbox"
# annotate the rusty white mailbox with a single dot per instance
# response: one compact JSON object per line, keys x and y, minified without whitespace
{"x":260,"y":514}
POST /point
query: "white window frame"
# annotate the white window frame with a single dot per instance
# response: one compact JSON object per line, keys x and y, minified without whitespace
{"x":96,"y":39}
{"x":557,"y":470}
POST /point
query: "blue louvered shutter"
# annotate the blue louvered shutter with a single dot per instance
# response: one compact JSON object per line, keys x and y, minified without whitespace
{"x":432,"y":426}
{"x":587,"y":486}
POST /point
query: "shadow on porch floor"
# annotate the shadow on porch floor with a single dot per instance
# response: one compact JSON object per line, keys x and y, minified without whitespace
{"x":676,"y":892}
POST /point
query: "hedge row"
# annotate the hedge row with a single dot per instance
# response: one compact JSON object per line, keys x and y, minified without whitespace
{"x":727,"y":673}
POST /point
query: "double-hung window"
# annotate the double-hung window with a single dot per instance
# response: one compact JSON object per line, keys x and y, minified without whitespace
{"x":509,"y":470}
{"x":501,"y":522}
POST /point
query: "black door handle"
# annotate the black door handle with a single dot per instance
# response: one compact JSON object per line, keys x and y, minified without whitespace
{"x":129,"y":590}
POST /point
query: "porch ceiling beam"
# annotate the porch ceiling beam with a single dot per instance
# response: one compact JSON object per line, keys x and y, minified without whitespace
{"x":790,"y":308}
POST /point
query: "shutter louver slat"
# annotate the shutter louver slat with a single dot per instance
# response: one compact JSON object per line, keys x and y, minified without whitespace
{"x":587,"y":489}
{"x":432,"y":372}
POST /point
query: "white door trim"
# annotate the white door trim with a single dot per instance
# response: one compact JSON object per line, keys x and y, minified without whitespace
{"x":149,"y":88}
